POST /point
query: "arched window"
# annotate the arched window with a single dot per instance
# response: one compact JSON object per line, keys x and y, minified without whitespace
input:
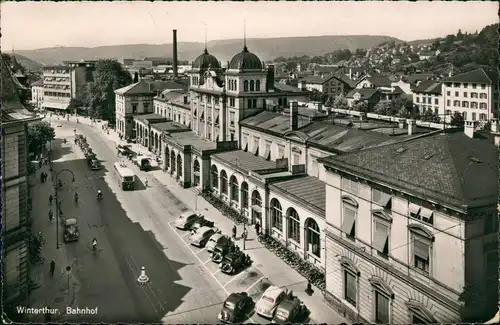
{"x":257,"y":85}
{"x":244,"y":195}
{"x":350,"y":275}
{"x":223,"y":180}
{"x":196,"y":172}
{"x":235,"y":195}
{"x":179,"y":165}
{"x":215,"y":178}
{"x":276,"y":215}
{"x":167,"y":157}
{"x":419,"y":314}
{"x":313,"y":237}
{"x":245,"y":85}
{"x":173,"y":164}
{"x":234,"y":84}
{"x":256,"y":200}
{"x":293,"y":225}
{"x":252,"y":85}
{"x":382,"y":296}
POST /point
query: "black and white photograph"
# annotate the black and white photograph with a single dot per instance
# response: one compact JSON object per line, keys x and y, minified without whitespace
{"x":250,"y":162}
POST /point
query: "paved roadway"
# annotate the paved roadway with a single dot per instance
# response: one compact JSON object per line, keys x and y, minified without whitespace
{"x":134,"y":229}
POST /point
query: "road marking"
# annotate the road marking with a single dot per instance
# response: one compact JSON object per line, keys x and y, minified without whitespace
{"x":142,"y":287}
{"x":207,"y":261}
{"x":253,"y":285}
{"x":202,"y":250}
{"x":234,"y":278}
{"x":218,"y":270}
{"x":149,"y":287}
{"x":184,"y":235}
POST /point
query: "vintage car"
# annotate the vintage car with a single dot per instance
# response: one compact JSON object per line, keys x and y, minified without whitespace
{"x":71,"y":232}
{"x":95,"y":164}
{"x":234,"y":262}
{"x":187,"y":219}
{"x":202,"y":235}
{"x":236,"y":307}
{"x":291,"y":310}
{"x":143,"y":162}
{"x":222,"y":249}
{"x":215,"y":240}
{"x":202,"y":222}
{"x":125,"y":150}
{"x":270,"y":300}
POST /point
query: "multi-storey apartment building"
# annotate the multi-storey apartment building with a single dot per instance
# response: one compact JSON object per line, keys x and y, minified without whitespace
{"x":15,"y":229}
{"x":37,"y":93}
{"x":411,"y":230}
{"x":61,"y":83}
{"x":469,"y":93}
{"x":427,"y":96}
{"x":330,"y":84}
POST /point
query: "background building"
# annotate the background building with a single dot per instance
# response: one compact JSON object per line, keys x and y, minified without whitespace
{"x":37,"y":93}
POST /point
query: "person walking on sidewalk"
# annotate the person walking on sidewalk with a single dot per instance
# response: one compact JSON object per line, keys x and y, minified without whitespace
{"x":234,"y":231}
{"x":244,"y":234}
{"x":50,"y":199}
{"x":257,"y":228}
{"x":51,"y":216}
{"x":52,"y":268}
{"x":146,"y":182}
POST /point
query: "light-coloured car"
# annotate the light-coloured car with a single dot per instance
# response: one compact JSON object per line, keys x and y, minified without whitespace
{"x":267,"y":304}
{"x":187,"y":219}
{"x":202,"y":235}
{"x":216,"y":239}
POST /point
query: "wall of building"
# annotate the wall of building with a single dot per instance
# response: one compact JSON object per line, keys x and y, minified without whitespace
{"x":364,"y":84}
{"x":451,"y":90}
{"x":436,"y":105}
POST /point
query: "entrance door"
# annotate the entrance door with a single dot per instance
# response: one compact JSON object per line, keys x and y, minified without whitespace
{"x":256,"y":217}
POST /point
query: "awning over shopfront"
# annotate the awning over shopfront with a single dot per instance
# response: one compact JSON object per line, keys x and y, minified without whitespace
{"x":55,"y":105}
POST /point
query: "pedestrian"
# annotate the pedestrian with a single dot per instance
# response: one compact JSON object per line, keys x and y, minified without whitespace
{"x":50,"y":199}
{"x":52,"y":268}
{"x":244,"y":234}
{"x":234,"y":231}
{"x":257,"y":228}
{"x":40,"y":163}
{"x":51,"y":215}
{"x":146,"y":182}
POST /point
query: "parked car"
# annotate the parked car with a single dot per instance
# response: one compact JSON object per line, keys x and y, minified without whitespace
{"x":236,"y":307}
{"x":71,"y":232}
{"x":215,"y":240}
{"x":202,"y":222}
{"x":186,"y":220}
{"x":95,"y":164}
{"x":125,"y":150}
{"x":222,"y":250}
{"x":291,"y":311}
{"x":143,"y":162}
{"x":267,"y":304}
{"x":201,"y":237}
{"x":234,"y":262}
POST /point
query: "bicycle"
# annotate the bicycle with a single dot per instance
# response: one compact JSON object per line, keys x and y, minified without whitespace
{"x":38,"y":260}
{"x":41,"y":239}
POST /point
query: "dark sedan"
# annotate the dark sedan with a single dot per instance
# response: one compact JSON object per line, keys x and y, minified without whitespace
{"x":236,"y":307}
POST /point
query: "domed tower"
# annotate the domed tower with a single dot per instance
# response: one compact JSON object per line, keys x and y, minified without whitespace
{"x":202,"y":63}
{"x":246,"y":73}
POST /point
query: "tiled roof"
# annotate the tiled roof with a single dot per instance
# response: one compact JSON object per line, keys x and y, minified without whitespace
{"x":152,"y":117}
{"x":169,"y":94}
{"x":12,"y":108}
{"x":271,"y":121}
{"x":451,"y":169}
{"x":428,"y":87}
{"x":316,"y":79}
{"x":138,"y":88}
{"x":37,"y":83}
{"x":365,"y":93}
{"x":413,"y":78}
{"x":307,"y":189}
{"x":286,"y":88}
{"x":245,"y":160}
{"x":379,"y":81}
{"x":478,"y":75}
{"x":345,"y":79}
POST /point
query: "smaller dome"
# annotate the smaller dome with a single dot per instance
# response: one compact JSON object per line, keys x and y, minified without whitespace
{"x":206,"y":61}
{"x":245,"y":60}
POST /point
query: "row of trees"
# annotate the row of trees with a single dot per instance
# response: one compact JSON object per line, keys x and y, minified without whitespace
{"x":98,"y":96}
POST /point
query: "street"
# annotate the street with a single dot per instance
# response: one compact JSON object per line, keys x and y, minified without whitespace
{"x":134,"y":229}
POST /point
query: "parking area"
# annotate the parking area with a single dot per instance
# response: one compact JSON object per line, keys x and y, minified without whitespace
{"x":249,"y":280}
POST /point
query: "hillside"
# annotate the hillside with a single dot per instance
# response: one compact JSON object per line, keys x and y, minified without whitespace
{"x":265,"y":48}
{"x":28,"y":63}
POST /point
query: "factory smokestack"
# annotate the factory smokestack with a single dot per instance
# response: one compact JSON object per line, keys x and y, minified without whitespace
{"x":175,"y":53}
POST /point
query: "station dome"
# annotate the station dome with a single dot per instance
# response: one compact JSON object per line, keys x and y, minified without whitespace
{"x":205,"y":61}
{"x":245,"y":60}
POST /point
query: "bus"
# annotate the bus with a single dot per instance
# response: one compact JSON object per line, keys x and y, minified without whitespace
{"x":125,"y":176}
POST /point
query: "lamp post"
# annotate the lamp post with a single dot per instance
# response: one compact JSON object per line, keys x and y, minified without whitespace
{"x":58,"y":202}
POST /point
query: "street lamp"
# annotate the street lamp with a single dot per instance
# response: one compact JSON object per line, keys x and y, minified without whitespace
{"x":57,"y":201}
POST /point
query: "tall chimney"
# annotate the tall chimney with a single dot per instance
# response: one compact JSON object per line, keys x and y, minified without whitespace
{"x":174,"y":65}
{"x":469,"y":129}
{"x":270,"y":78}
{"x":294,"y":115}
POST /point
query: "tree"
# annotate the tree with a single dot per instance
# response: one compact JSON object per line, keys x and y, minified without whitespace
{"x":314,"y":95}
{"x":100,"y":97}
{"x":340,"y":102}
{"x":279,"y":59}
{"x":383,"y":107}
{"x":457,"y":119}
{"x":136,"y":77}
{"x":38,"y":134}
{"x":361,"y":106}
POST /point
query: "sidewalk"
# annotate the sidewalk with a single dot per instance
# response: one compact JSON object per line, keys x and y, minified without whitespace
{"x":54,"y":291}
{"x":277,"y":271}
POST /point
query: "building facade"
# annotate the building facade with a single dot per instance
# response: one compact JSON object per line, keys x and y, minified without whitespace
{"x":403,"y":249}
{"x":471,"y":94}
{"x":15,"y":225}
{"x":174,"y":105}
{"x":427,"y":96}
{"x":37,"y":94}
{"x":329,"y":84}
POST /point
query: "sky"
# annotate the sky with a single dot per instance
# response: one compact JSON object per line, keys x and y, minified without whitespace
{"x":31,"y":25}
